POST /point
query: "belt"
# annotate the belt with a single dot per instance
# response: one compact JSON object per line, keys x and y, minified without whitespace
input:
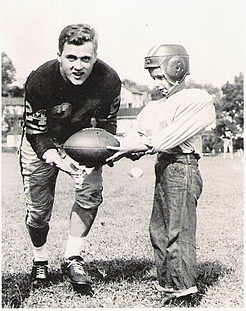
{"x":172,"y":157}
{"x":188,"y":155}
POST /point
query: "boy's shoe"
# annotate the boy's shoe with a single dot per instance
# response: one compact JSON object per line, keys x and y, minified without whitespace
{"x":39,"y":274}
{"x":176,"y":293}
{"x":73,"y":268}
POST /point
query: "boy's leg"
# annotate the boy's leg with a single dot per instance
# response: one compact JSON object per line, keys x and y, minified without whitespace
{"x":173,"y":224}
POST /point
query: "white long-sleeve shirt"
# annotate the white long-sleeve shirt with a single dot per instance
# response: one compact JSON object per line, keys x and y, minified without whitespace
{"x":177,"y":121}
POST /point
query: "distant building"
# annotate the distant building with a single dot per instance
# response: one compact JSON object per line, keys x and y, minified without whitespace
{"x":12,"y":119}
{"x":15,"y":89}
{"x":134,"y":96}
{"x":133,"y":99}
{"x":127,"y":121}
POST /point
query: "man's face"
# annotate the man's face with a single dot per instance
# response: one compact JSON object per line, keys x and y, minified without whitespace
{"x":76,"y":62}
{"x":160,"y":81}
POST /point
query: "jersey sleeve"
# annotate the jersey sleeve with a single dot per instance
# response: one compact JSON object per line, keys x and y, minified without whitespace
{"x":106,"y":115}
{"x":35,"y":117}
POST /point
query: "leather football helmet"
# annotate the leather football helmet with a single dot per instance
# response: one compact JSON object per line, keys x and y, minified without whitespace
{"x":172,"y":58}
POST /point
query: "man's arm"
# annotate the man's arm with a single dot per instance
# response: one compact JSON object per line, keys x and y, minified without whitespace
{"x":109,"y":122}
{"x":106,"y":115}
{"x":36,"y":129}
{"x":35,"y":115}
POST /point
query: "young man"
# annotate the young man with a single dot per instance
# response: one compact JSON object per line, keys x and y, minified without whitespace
{"x":62,"y":97}
{"x":172,"y":127}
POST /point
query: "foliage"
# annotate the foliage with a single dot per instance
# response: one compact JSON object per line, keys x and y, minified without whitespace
{"x":8,"y":72}
{"x":127,"y":82}
{"x":208,"y":87}
{"x":230,"y":108}
{"x":15,"y":90}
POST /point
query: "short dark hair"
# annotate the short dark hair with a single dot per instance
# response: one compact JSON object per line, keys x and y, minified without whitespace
{"x":78,"y":34}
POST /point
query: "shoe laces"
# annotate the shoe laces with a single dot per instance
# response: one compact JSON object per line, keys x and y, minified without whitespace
{"x":41,"y":272}
{"x":77,"y":266}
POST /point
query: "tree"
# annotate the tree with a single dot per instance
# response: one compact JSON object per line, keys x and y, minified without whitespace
{"x":128,"y":83}
{"x":230,"y":108}
{"x":208,"y":87}
{"x":8,"y":72}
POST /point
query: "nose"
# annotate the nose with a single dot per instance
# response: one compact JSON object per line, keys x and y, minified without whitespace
{"x":78,"y":64}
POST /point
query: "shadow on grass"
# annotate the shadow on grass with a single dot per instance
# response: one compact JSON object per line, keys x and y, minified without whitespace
{"x":144,"y":270}
{"x":119,"y":269}
{"x":16,"y":288}
{"x":208,"y":276}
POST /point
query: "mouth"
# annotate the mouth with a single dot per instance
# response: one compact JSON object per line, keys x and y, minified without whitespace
{"x":163,"y":91}
{"x":78,"y":75}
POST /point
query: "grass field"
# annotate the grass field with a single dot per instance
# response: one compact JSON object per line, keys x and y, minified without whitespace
{"x":118,"y":251}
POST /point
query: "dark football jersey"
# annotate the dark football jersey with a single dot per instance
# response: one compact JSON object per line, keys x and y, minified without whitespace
{"x":55,"y":109}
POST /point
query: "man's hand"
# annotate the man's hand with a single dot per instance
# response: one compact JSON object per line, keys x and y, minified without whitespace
{"x":127,"y":148}
{"x":135,"y":156}
{"x":52,"y":157}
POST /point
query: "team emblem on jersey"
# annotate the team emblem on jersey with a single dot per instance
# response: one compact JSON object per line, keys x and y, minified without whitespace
{"x":115,"y":106}
{"x":40,"y":116}
{"x":62,"y":111}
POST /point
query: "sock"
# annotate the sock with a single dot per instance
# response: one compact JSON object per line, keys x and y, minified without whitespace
{"x":40,"y":253}
{"x":74,"y":246}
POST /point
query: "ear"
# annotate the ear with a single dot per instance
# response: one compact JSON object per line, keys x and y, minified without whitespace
{"x":95,"y":57}
{"x":59,"y":57}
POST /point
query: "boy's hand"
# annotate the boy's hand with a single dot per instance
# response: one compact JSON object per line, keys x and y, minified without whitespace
{"x":126,"y":149}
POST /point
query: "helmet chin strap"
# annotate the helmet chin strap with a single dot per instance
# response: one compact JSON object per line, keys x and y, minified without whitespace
{"x":174,"y":86}
{"x":172,"y":89}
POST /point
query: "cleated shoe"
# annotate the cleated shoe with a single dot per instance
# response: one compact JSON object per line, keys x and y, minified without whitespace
{"x":39,"y":274}
{"x":73,"y":268}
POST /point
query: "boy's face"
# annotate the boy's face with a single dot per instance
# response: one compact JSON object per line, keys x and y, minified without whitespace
{"x":76,"y":62}
{"x":160,"y":80}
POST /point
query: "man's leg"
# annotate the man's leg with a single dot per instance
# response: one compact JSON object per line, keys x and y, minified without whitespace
{"x":80,"y":224}
{"x":81,"y":220}
{"x":39,"y":181}
{"x":83,"y":214}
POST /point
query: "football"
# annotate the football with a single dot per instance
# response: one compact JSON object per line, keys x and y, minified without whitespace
{"x":136,"y":172}
{"x":88,"y":146}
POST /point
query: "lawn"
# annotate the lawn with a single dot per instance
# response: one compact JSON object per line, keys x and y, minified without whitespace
{"x":118,"y":253}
